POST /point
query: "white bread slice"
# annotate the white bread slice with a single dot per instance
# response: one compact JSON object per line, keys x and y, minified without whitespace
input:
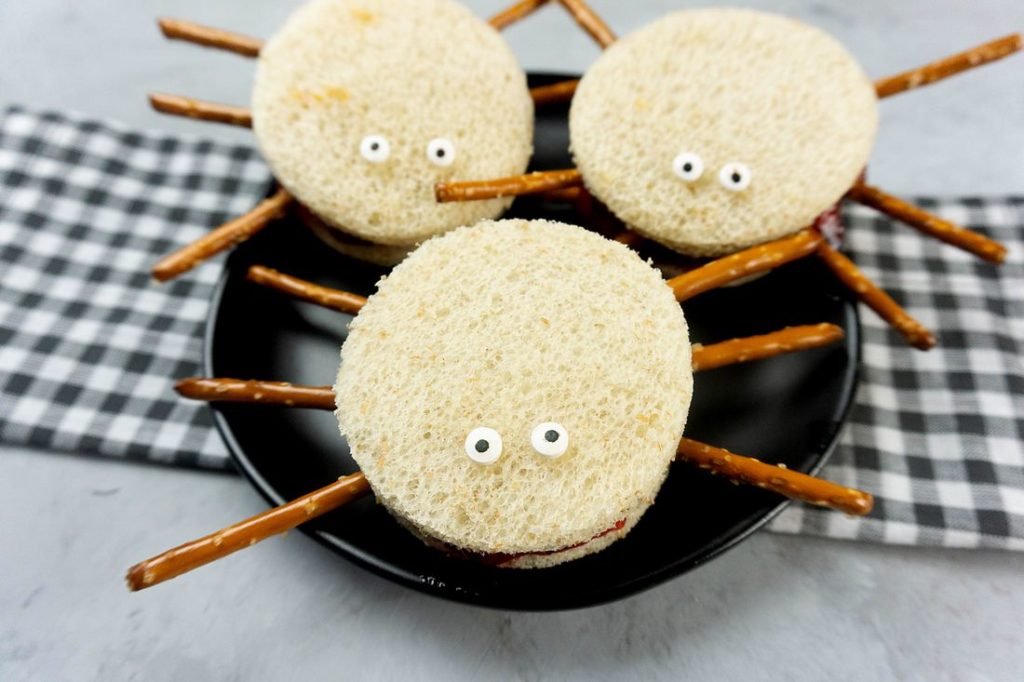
{"x":729,"y":85}
{"x":411,"y":71}
{"x":507,"y":325}
{"x":353,"y":247}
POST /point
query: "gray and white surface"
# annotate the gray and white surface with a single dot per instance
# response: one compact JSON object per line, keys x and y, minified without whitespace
{"x":774,"y":608}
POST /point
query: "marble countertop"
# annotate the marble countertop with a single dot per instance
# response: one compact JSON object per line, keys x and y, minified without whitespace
{"x":774,"y":608}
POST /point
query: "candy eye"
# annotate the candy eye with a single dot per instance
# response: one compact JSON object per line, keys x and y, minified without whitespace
{"x":441,"y":152}
{"x":375,"y":148}
{"x":688,"y":166}
{"x":550,"y":439}
{"x":483,"y":445}
{"x":735,"y":176}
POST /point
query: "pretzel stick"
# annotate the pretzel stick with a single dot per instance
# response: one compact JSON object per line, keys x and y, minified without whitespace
{"x":227,"y":235}
{"x":176,"y":29}
{"x":950,"y":66}
{"x":264,"y":392}
{"x":579,"y":197}
{"x":335,"y":299}
{"x":778,"y":479}
{"x":531,"y":183}
{"x":743,"y":263}
{"x":876,"y":299}
{"x":589,"y":22}
{"x":512,"y":14}
{"x":569,"y":195}
{"x":929,"y":224}
{"x":177,"y":105}
{"x":191,"y":555}
{"x":562,"y":91}
{"x":629,"y":238}
{"x":788,"y":340}
{"x":322,"y":397}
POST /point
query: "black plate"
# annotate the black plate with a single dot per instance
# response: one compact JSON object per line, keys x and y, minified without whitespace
{"x":787,"y":409}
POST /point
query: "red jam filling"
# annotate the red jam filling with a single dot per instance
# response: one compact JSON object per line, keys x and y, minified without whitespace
{"x":497,"y":559}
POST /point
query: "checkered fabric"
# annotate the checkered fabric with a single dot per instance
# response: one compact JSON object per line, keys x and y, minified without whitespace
{"x":938,"y":437}
{"x":87,"y":343}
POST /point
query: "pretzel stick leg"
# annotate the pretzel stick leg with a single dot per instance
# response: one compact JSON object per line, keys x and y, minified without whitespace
{"x":512,"y":14}
{"x":227,"y":235}
{"x":871,"y":295}
{"x":929,"y":224}
{"x":176,"y":29}
{"x":747,"y":349}
{"x":177,"y":105}
{"x":562,"y":91}
{"x":531,"y":183}
{"x":744,"y":263}
{"x":778,"y":479}
{"x":589,"y":21}
{"x":191,"y":555}
{"x":579,"y":197}
{"x":629,"y":238}
{"x":262,"y":392}
{"x":568,"y":195}
{"x":950,"y":66}
{"x":335,"y":299}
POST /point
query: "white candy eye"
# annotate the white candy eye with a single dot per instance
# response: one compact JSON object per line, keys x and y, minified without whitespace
{"x":483,"y":445}
{"x":441,"y":152}
{"x":688,"y":166}
{"x":375,"y":148}
{"x":735,"y":176}
{"x":550,"y":439}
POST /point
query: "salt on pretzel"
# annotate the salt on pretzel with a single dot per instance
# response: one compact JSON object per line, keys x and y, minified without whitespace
{"x":227,"y":235}
{"x":247,"y":46}
{"x":929,"y":224}
{"x":335,"y":299}
{"x":191,"y":555}
{"x":209,"y":548}
{"x":260,"y":392}
{"x":517,"y":185}
{"x":744,"y":263}
{"x":792,"y":484}
{"x":949,"y":66}
{"x":712,"y":356}
{"x":208,"y":36}
{"x":872,"y":296}
{"x":750,"y":348}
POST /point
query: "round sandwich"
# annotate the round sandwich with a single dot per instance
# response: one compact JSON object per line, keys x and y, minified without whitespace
{"x":714,"y":130}
{"x":361,"y":106}
{"x":524,"y":413}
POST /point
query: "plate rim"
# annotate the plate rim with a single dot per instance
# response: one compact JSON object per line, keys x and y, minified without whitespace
{"x":854,"y":336}
{"x":267,"y":491}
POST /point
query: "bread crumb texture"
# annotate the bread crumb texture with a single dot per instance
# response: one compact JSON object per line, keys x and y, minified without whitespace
{"x":507,"y":325}
{"x":410,"y":71}
{"x":730,"y":85}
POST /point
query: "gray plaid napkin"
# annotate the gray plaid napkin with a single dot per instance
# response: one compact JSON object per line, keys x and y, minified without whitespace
{"x":937,"y":436}
{"x":89,"y":347}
